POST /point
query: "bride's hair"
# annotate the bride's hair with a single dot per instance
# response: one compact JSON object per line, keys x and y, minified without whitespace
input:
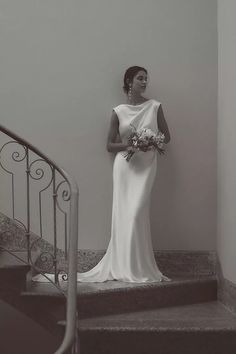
{"x":130,"y":74}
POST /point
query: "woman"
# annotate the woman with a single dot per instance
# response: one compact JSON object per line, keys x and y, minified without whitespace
{"x":129,"y":256}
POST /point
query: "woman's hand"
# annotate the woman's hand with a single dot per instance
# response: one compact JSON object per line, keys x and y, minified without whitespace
{"x":131,"y":149}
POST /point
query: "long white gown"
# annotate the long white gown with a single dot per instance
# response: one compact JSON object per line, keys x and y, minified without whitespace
{"x":130,"y":256}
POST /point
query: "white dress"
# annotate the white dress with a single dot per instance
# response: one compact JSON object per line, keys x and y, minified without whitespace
{"x":130,"y":256}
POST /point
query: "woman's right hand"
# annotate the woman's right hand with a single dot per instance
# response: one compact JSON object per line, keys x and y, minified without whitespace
{"x":131,"y":149}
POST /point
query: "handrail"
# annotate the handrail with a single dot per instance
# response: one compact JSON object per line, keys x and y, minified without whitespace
{"x":71,"y":309}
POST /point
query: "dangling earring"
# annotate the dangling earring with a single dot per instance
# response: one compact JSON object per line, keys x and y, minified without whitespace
{"x":130,"y":92}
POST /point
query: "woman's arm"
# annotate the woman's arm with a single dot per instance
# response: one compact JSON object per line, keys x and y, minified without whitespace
{"x":162,"y":125}
{"x":112,"y":144}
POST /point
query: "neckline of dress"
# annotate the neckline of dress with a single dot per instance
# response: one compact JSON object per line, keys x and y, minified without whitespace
{"x":136,"y":105}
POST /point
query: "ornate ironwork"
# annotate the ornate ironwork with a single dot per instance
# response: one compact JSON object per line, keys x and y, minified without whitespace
{"x":38,"y":169}
{"x":16,"y":158}
{"x":66,"y":195}
{"x":39,"y":172}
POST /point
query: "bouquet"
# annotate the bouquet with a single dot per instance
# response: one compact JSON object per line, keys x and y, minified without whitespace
{"x":144,"y":139}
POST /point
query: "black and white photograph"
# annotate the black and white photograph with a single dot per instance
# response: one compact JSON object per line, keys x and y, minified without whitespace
{"x":117,"y":177}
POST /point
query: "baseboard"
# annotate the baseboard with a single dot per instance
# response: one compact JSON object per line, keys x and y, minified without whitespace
{"x":226,"y":290}
{"x":227,"y":294}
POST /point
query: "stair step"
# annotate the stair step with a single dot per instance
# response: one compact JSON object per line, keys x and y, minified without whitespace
{"x":206,"y":328}
{"x":112,"y":297}
{"x":98,"y":299}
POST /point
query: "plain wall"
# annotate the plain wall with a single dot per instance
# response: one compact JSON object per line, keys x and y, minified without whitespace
{"x":226,"y":241}
{"x":62,"y":66}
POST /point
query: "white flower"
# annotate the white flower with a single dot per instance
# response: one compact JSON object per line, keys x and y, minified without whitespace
{"x":147,"y":133}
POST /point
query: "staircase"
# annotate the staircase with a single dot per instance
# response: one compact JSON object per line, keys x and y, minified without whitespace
{"x":47,"y":199}
{"x":178,"y":317}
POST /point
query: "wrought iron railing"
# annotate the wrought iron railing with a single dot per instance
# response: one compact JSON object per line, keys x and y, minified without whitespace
{"x":56,"y":192}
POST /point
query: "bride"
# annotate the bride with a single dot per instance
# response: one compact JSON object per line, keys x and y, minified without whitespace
{"x":130,"y":256}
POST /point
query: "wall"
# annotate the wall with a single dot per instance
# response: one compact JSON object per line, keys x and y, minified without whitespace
{"x":62,"y":65}
{"x":226,"y":241}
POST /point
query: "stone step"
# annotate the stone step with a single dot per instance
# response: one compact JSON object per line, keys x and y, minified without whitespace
{"x":99,"y":299}
{"x":205,"y":328}
{"x":171,"y":262}
{"x":113,"y":297}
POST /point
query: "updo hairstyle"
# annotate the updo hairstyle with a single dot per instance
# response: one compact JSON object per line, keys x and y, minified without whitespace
{"x":130,"y":74}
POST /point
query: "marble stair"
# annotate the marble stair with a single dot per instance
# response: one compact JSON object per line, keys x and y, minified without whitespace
{"x":202,"y":328}
{"x":114,"y":297}
{"x":183,"y":316}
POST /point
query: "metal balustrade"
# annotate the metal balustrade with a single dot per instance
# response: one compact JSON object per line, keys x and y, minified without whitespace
{"x":57,"y":219}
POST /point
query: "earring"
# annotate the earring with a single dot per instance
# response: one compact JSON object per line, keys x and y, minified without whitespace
{"x":130,"y":92}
